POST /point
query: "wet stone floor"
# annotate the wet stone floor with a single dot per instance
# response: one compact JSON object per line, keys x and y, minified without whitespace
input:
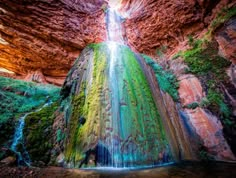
{"x":184,"y":169}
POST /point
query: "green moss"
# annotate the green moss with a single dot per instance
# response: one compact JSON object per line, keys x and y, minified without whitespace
{"x":177,"y":55}
{"x":203,"y":58}
{"x":6,"y":131}
{"x":38,"y":133}
{"x":204,"y":156}
{"x":167,"y":81}
{"x":193,"y":105}
{"x":77,"y":111}
{"x":204,"y":61}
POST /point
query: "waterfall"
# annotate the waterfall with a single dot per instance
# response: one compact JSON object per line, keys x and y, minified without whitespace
{"x":114,"y":27}
{"x":23,"y":157}
{"x":17,"y":145}
{"x":114,"y":121}
{"x":114,"y":116}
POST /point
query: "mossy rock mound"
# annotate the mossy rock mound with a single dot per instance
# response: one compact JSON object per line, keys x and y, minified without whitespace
{"x":39,"y":133}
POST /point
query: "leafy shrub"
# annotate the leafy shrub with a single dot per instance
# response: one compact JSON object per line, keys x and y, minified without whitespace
{"x":203,"y":60}
{"x":216,"y":100}
{"x":167,"y":81}
{"x":192,"y":105}
{"x":18,"y":97}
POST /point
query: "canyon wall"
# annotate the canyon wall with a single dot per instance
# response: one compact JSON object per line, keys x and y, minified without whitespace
{"x":48,"y":35}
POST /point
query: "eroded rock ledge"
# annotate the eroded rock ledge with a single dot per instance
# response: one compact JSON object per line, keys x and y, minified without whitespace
{"x":48,"y":35}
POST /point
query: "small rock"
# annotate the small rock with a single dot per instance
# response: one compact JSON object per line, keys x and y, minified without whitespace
{"x":9,"y":161}
{"x":60,"y":159}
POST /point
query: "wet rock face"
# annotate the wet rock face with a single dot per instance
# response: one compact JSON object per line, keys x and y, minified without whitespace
{"x":226,"y":38}
{"x":47,"y":35}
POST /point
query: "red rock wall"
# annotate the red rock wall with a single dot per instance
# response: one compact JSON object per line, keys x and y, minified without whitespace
{"x":153,"y":24}
{"x":47,"y":35}
{"x":207,"y":126}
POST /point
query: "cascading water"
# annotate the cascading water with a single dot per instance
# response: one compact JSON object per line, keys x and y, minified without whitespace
{"x":113,"y":115}
{"x":114,"y":27}
{"x":114,"y":34}
{"x":18,"y":146}
{"x":22,"y":155}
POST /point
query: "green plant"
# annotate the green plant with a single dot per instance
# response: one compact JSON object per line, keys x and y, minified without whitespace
{"x":190,"y":40}
{"x":177,"y":55}
{"x":193,"y":105}
{"x":203,"y":59}
{"x":204,"y":102}
{"x":204,"y":156}
{"x":228,"y":122}
{"x":167,"y":81}
{"x":216,"y":101}
{"x":18,"y":97}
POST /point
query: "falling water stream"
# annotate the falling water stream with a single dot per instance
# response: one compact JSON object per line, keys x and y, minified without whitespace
{"x":114,"y":27}
{"x":18,"y":146}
